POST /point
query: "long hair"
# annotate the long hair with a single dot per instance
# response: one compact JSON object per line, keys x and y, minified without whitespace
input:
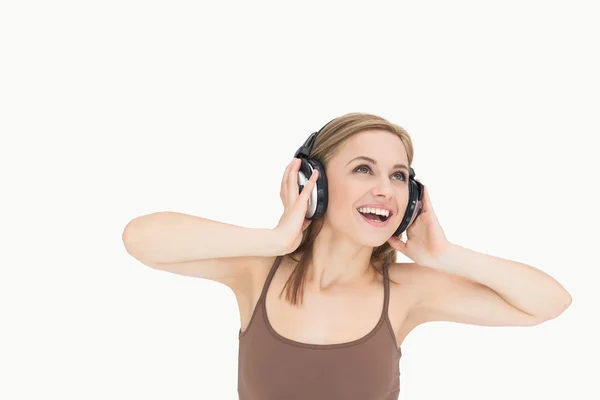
{"x":327,"y":142}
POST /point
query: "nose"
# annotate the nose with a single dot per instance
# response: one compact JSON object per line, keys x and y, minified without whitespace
{"x":383,"y":189}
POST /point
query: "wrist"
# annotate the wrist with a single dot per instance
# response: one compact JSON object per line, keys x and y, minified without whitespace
{"x":269,"y":243}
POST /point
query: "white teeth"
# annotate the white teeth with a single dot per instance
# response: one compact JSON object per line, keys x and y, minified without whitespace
{"x":371,"y":210}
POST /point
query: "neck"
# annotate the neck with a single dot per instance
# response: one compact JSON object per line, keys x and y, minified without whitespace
{"x":337,"y":261}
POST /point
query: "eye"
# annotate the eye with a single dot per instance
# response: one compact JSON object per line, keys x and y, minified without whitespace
{"x":365,"y":168}
{"x":401,"y":174}
{"x":362,"y":167}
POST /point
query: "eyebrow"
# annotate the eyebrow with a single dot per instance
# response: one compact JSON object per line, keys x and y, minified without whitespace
{"x":365,"y":158}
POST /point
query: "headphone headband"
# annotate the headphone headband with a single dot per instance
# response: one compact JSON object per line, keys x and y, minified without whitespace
{"x":306,"y":148}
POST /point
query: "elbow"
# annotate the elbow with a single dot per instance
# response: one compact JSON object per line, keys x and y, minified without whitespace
{"x":561,"y":302}
{"x":559,"y":305}
{"x":136,"y":226}
{"x":128,"y":233}
{"x":131,"y":236}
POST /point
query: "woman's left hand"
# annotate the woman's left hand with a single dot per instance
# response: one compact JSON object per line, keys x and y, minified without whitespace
{"x":426,"y":241}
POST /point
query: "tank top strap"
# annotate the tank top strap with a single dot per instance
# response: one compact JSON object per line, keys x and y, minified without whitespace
{"x":269,"y":279}
{"x":386,"y":290}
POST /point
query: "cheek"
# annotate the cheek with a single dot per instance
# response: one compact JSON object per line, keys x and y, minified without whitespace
{"x":341,"y":201}
{"x":344,"y":195}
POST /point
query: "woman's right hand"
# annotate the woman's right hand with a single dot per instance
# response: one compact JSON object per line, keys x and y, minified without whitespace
{"x":293,"y":221}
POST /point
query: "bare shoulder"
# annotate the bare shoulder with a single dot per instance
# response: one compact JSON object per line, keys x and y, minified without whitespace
{"x":406,"y":272}
{"x":417,"y":279}
{"x":410,"y":285}
{"x":248,"y":291}
{"x":256,"y":275}
{"x":416,"y":273}
{"x":408,"y":281}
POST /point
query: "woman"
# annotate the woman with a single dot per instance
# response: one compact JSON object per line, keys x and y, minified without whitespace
{"x":324,"y":306}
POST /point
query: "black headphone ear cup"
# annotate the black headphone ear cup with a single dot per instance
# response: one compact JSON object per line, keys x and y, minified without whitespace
{"x":318,"y":199}
{"x":321,"y":188}
{"x":414,"y":206}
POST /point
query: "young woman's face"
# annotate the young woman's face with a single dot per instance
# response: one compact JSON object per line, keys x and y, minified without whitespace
{"x":369,"y":172}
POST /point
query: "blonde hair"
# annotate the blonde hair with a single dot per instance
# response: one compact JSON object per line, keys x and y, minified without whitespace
{"x":327,"y":143}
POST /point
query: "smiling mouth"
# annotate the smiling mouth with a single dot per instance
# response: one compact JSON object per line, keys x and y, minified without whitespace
{"x":375,"y":217}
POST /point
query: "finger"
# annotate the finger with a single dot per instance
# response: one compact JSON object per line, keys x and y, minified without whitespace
{"x":397,"y":244}
{"x":285,"y":179}
{"x":308,"y":187}
{"x":426,"y":200}
{"x":305,"y":224}
{"x":292,"y":183}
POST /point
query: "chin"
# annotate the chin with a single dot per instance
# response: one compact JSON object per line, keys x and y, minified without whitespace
{"x":373,"y":241}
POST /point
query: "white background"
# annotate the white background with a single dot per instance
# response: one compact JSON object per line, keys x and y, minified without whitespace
{"x":114,"y":109}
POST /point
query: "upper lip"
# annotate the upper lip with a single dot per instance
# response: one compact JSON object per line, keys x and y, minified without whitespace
{"x":380,"y":206}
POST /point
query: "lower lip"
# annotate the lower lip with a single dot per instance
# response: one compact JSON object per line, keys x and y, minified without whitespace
{"x":376,"y":224}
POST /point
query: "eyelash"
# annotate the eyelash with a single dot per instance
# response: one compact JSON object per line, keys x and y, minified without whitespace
{"x":366,"y":166}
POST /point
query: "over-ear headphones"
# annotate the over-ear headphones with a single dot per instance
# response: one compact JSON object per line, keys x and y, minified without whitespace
{"x":318,"y":200}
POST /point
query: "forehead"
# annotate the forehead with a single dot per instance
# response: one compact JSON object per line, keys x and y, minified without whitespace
{"x":383,"y":146}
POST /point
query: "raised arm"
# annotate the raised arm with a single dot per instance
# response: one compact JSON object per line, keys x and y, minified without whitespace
{"x":195,"y":246}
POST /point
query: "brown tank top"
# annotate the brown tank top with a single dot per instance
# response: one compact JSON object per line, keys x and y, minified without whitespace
{"x":272,"y":367}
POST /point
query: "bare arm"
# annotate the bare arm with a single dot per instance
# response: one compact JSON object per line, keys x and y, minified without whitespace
{"x":190,"y":245}
{"x":167,"y":237}
{"x":196,"y":246}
